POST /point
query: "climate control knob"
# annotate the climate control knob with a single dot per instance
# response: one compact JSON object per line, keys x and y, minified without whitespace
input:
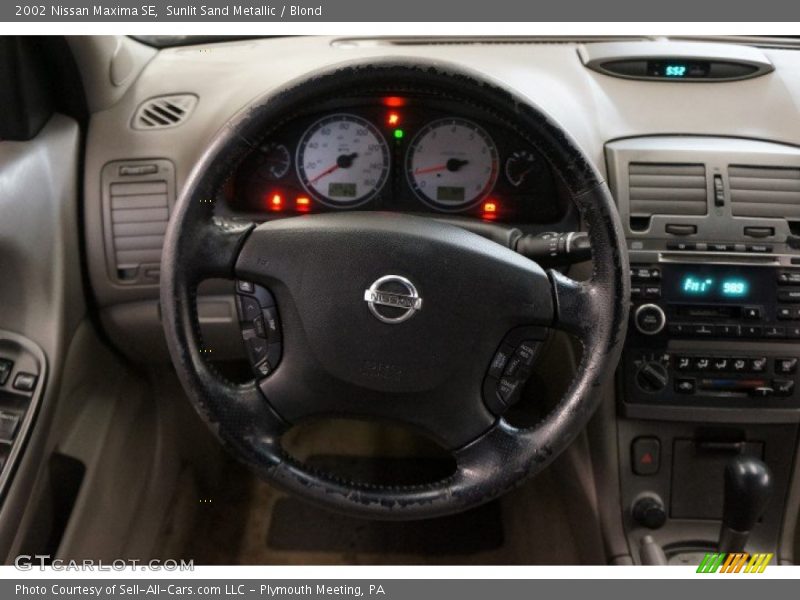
{"x":649,"y":319}
{"x":652,"y":377}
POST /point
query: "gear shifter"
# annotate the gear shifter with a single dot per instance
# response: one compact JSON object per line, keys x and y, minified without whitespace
{"x":748,"y":487}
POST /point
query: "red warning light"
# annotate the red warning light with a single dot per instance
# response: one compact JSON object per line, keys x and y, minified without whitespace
{"x":394,"y":101}
{"x":393,"y":119}
{"x":276,"y":202}
{"x":303,"y":204}
{"x":489,"y":209}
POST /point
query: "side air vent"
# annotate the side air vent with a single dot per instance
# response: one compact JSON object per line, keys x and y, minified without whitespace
{"x":137,"y":199}
{"x":164,"y":111}
{"x":764,"y":191}
{"x":666,"y":189}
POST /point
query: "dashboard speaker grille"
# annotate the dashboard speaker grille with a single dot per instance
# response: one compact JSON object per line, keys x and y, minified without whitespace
{"x":164,"y":111}
{"x":764,"y":191}
{"x":667,"y":189}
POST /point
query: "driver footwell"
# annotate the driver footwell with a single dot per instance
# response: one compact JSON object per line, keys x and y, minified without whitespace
{"x":246,"y":521}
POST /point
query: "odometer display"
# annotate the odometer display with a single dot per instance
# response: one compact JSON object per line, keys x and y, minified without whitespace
{"x":342,"y":160}
{"x":452,"y":164}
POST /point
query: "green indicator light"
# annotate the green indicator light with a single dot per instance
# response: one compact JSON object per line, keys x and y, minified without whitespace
{"x":398,"y":134}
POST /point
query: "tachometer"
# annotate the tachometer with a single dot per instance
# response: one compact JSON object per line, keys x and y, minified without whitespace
{"x":343,"y":160}
{"x":452,"y":164}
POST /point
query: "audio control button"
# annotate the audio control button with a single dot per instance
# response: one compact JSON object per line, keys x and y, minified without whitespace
{"x":784,"y":313}
{"x":753,"y":313}
{"x":703,"y":330}
{"x":649,"y":319}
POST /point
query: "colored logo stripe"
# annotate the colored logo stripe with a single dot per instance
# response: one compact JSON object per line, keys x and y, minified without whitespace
{"x":734,"y":562}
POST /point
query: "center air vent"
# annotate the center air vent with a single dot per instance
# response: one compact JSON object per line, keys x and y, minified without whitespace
{"x":764,"y":191}
{"x":666,"y":189}
{"x":164,"y":111}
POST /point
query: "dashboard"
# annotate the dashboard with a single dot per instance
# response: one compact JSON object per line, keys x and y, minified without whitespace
{"x":406,"y":153}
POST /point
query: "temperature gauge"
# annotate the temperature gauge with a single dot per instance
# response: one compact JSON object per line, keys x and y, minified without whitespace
{"x":274,"y":162}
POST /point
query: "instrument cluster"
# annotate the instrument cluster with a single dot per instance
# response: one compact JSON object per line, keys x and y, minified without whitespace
{"x":410,"y":154}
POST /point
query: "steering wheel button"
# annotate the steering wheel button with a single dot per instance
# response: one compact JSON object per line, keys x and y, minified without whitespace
{"x":245,"y":287}
{"x":256,"y":349}
{"x":500,"y":360}
{"x":513,"y":366}
{"x":263,"y":368}
{"x":249,"y":308}
{"x":272,"y":324}
{"x":526,"y":352}
{"x":508,"y":388}
{"x":274,"y":352}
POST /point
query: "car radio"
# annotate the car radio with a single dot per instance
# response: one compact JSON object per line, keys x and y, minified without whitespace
{"x":686,"y":320}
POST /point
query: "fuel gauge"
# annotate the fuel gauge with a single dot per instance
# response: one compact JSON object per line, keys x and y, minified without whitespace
{"x":274,"y":162}
{"x":520,"y":166}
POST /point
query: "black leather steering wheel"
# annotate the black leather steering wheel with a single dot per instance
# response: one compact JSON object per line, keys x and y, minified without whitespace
{"x":473,"y":291}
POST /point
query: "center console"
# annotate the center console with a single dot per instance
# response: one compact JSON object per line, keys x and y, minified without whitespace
{"x":710,"y":366}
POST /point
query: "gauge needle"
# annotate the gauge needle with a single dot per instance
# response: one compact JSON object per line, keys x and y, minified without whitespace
{"x":454,"y":164}
{"x":345,"y":161}
{"x":327,"y":171}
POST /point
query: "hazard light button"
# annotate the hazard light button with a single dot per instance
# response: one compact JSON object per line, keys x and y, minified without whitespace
{"x":646,"y":455}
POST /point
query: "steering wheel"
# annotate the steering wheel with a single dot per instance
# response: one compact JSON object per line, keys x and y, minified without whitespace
{"x":452,"y":298}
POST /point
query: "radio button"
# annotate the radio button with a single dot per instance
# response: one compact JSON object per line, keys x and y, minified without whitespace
{"x":751,"y":330}
{"x":702,"y":330}
{"x":753,"y":313}
{"x":728,"y":330}
{"x":758,"y":365}
{"x":763,"y":248}
{"x":652,"y":291}
{"x":649,"y":319}
{"x":785,"y":366}
{"x":682,"y":246}
{"x":641,"y":274}
{"x":637,"y":291}
{"x":790,"y":278}
{"x":774,"y":332}
{"x":680,"y":329}
{"x":785,"y":313}
{"x":720,"y":247}
{"x":791,"y":296}
{"x":793,"y":332}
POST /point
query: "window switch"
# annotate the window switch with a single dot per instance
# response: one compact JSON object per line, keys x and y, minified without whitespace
{"x":25,"y":382}
{"x":5,"y":369}
{"x":8,"y":426}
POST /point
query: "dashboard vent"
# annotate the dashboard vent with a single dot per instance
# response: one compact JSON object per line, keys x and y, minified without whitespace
{"x":164,"y":111}
{"x":666,"y":189}
{"x":764,"y":191}
{"x":137,"y":200}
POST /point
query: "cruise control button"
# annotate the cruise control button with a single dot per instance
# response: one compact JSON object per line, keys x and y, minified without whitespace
{"x":526,"y":352}
{"x":249,"y":308}
{"x":513,"y":366}
{"x":256,"y":349}
{"x":499,"y":361}
{"x":508,"y":388}
{"x":785,"y":366}
{"x":263,"y":368}
{"x":272,"y":325}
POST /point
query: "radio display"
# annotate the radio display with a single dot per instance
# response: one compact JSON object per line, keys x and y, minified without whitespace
{"x":714,"y":284}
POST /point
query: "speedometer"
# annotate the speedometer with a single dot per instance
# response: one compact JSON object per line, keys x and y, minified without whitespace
{"x":342,"y":160}
{"x":452,"y":164}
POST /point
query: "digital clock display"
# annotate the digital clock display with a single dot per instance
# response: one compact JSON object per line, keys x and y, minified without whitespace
{"x":675,"y":71}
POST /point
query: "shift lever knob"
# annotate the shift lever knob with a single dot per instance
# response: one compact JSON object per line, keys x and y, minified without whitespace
{"x":748,"y":487}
